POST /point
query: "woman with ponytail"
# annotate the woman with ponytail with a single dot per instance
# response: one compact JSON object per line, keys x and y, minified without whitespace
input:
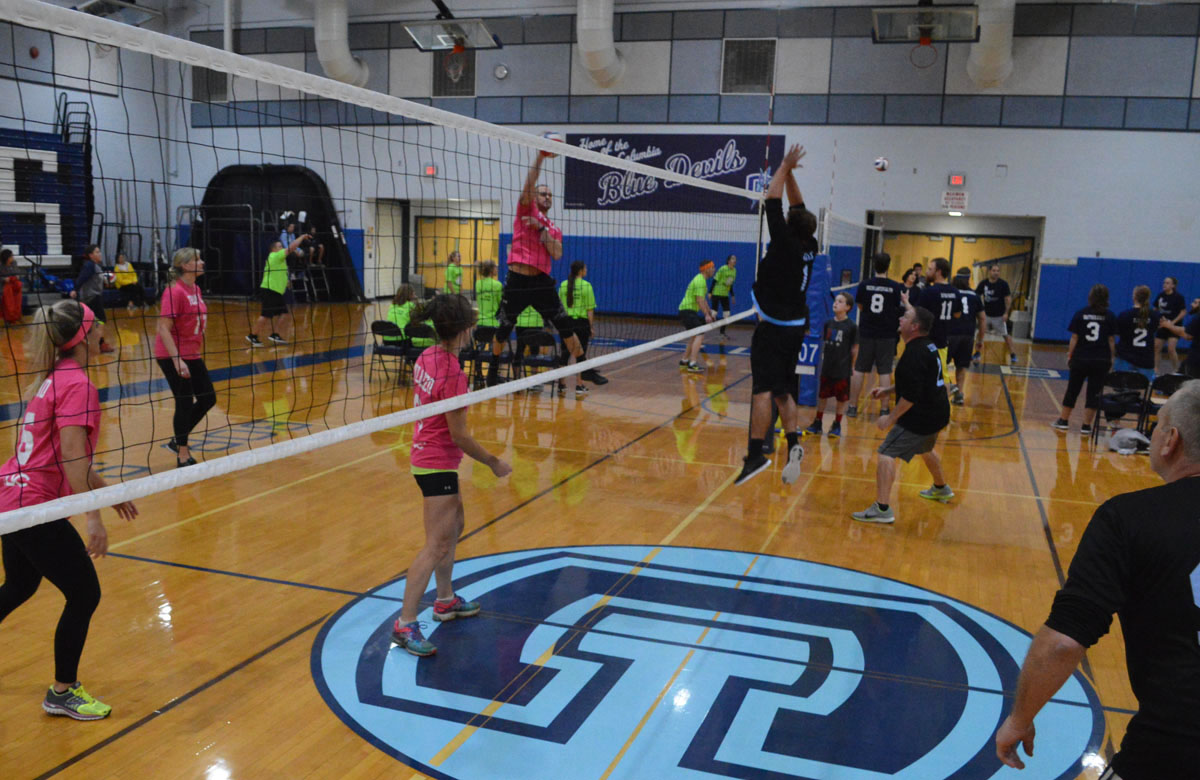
{"x":56,"y":443}
{"x":579,"y":301}
{"x":1135,"y":335}
{"x":179,"y":350}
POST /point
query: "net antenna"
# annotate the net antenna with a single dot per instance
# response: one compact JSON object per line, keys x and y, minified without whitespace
{"x":925,"y":24}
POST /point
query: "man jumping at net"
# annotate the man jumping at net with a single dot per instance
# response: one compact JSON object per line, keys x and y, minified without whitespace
{"x":536,"y":243}
{"x":780,"y":294}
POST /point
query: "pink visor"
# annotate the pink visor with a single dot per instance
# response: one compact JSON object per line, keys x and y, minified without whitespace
{"x":89,"y":319}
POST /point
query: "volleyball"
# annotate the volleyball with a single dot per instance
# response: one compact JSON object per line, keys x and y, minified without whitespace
{"x":551,"y":135}
{"x":881,"y":164}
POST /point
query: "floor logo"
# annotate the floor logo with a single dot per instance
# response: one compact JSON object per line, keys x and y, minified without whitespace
{"x":645,"y":662}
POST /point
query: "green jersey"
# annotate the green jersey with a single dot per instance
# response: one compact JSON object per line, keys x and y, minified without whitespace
{"x":530,"y":319}
{"x":697,"y":288}
{"x":488,"y":292}
{"x":453,"y":278}
{"x":400,"y":316}
{"x":275,"y":277}
{"x":585,"y":299}
{"x":723,"y":281}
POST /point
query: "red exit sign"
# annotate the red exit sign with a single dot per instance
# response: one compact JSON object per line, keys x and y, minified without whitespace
{"x":958,"y":180}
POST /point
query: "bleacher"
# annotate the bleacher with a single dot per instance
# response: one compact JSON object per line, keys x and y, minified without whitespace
{"x":43,"y":197}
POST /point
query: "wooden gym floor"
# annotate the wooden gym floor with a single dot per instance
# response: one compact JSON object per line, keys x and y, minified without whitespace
{"x":214,"y":597}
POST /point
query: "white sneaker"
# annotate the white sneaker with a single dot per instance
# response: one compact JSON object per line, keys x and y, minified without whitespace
{"x":791,"y":472}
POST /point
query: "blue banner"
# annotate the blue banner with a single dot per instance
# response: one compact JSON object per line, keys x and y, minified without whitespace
{"x":736,"y":160}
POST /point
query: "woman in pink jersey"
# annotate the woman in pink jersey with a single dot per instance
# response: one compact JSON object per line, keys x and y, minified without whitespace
{"x":54,"y":459}
{"x":179,"y":350}
{"x":438,"y":445}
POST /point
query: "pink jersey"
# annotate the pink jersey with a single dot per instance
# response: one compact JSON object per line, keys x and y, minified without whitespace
{"x":436,"y":377}
{"x":188,"y":314}
{"x":35,"y":475}
{"x":527,"y":246}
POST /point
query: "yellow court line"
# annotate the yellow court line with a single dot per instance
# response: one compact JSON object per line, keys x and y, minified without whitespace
{"x":696,"y":512}
{"x":671,"y":682}
{"x":786,"y":513}
{"x":254,"y":497}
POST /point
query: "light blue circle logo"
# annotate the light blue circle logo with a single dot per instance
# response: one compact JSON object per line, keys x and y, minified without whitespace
{"x":673,"y":662}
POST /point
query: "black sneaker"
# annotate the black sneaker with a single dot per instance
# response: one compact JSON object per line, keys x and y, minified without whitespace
{"x":581,"y":390}
{"x":275,"y":338}
{"x":1085,"y":430}
{"x":172,"y":446}
{"x":593,"y":376}
{"x":751,"y":466}
{"x":253,"y":340}
{"x":1060,"y":424}
{"x":181,"y":463}
{"x":852,"y":412}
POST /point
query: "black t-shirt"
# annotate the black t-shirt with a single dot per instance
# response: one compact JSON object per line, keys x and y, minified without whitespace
{"x":966,"y":318}
{"x":781,"y":287}
{"x":1136,"y":343}
{"x":942,"y":301}
{"x":1169,"y":306}
{"x":879,"y":316}
{"x":1140,"y":558}
{"x":840,"y":338}
{"x":993,"y":295}
{"x":1094,"y":329}
{"x":919,"y":379}
{"x":1192,"y":327}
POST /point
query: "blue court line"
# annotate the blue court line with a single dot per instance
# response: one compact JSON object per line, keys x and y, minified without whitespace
{"x":138,"y":389}
{"x":373,"y":594}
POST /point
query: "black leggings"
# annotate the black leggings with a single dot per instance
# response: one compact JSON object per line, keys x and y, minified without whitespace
{"x":721,"y":302}
{"x":54,"y":551}
{"x":132,"y":293}
{"x":1094,"y":372}
{"x":194,"y":396}
{"x":583,"y":331}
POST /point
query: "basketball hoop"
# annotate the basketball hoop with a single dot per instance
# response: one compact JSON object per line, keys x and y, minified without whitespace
{"x":923,"y":59}
{"x":456,"y":62}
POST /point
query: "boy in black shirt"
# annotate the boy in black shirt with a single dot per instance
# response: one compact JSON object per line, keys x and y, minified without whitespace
{"x":1140,"y":558}
{"x":841,"y":348}
{"x":921,"y":411}
{"x":997,"y":302}
{"x":879,"y":308}
{"x":1170,"y":305}
{"x":780,"y":293}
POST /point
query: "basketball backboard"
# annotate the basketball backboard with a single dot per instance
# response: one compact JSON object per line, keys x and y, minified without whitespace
{"x":925,"y":24}
{"x":442,"y":34}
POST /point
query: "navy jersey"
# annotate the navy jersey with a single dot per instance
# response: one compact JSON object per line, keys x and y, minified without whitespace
{"x":1135,"y":342}
{"x":942,"y":301}
{"x":1170,"y":305}
{"x":966,"y":318}
{"x":879,"y":317}
{"x":993,"y":295}
{"x":1094,"y":329}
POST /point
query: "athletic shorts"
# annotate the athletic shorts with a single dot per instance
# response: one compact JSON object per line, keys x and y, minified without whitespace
{"x":1163,"y":334}
{"x":996,"y":325}
{"x":774,"y":353}
{"x":721,"y":300}
{"x":521,"y":292}
{"x":878,"y":354}
{"x":904,"y":444}
{"x":437,"y":483}
{"x":690,"y":319}
{"x":835,"y":388}
{"x":273,"y":303}
{"x":97,"y":306}
{"x":960,"y":350}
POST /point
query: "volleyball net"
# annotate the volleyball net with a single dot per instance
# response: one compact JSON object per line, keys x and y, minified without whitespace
{"x":144,"y":144}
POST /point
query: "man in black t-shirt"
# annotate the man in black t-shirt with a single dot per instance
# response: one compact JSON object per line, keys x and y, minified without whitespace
{"x":997,"y":303}
{"x":1140,"y":558}
{"x":942,"y":302}
{"x":1170,"y":306}
{"x":921,"y":411}
{"x":780,"y":294}
{"x":968,"y":323}
{"x":879,"y":309}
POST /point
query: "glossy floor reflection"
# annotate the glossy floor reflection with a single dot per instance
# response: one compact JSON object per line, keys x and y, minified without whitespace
{"x":723,"y":654}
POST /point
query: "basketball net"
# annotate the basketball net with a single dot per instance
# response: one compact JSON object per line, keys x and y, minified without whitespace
{"x":924,"y":54}
{"x":456,"y":63}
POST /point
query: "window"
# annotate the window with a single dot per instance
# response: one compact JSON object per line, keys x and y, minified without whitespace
{"x":748,"y":66}
{"x":454,"y":74}
{"x":209,"y":86}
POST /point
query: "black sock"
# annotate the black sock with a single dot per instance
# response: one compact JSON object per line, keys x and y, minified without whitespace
{"x":882,"y":507}
{"x":792,"y":437}
{"x":755,"y":447}
{"x":940,"y":487}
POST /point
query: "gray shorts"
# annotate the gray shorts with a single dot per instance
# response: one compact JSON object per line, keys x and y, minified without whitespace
{"x":996,"y":325}
{"x":877,"y":354}
{"x":904,"y":444}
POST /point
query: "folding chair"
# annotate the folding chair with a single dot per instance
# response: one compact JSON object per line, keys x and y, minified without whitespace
{"x":387,"y":343}
{"x":1162,"y":388}
{"x":1128,"y":397}
{"x":539,"y":352}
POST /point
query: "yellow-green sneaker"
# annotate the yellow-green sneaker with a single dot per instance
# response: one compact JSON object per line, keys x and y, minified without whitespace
{"x":75,"y":703}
